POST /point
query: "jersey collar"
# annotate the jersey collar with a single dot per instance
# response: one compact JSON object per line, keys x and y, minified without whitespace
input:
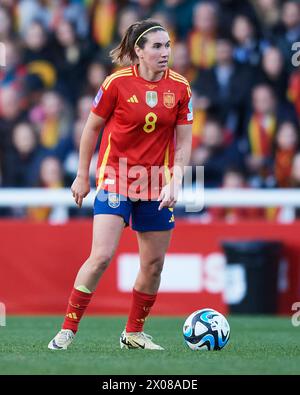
{"x":135,"y":71}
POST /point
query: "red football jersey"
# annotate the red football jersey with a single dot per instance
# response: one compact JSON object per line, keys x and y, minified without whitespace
{"x":140,"y":120}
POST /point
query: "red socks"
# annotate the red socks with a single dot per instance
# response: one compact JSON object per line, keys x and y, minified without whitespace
{"x":78,"y":302}
{"x":140,"y":308}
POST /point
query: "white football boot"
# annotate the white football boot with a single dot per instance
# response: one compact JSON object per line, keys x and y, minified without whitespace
{"x":62,"y":340}
{"x":139,"y":340}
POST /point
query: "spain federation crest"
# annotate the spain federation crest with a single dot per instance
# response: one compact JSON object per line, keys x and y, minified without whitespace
{"x":151,"y":98}
{"x":113,"y":200}
{"x":169,"y":99}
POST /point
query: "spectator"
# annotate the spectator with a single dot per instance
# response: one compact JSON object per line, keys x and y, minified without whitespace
{"x":73,"y":12}
{"x":103,"y":21}
{"x":30,"y":11}
{"x":225,"y":87}
{"x":293,"y":91}
{"x":6,"y":25}
{"x":291,"y":23}
{"x":52,"y":118}
{"x":14,"y":71}
{"x":286,"y":146}
{"x":71,"y":60}
{"x":248,"y":48}
{"x":202,"y":38}
{"x":273,"y":73}
{"x":215,"y":155}
{"x":96,"y":74}
{"x":260,"y":130}
{"x":295,"y":174}
{"x":229,"y":9}
{"x":126,"y":17}
{"x":144,"y":7}
{"x":51,"y":13}
{"x":234,"y":179}
{"x":23,"y":159}
{"x":50,"y":177}
{"x":181,"y":62}
{"x":84,"y":107}
{"x":38,"y":56}
{"x":181,"y":13}
{"x":167,"y":22}
{"x":290,"y":214}
{"x":268,"y":15}
{"x":70,"y":164}
{"x":11,"y":113}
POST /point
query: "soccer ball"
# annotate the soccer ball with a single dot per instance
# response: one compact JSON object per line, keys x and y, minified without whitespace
{"x":206,"y":329}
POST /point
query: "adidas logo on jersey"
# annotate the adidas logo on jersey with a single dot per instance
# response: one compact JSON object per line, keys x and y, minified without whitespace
{"x":133,"y":99}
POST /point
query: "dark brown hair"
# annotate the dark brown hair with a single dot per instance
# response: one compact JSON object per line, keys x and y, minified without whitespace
{"x":124,"y":53}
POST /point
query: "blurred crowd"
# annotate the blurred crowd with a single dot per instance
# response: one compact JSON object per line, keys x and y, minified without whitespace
{"x":238,"y":56}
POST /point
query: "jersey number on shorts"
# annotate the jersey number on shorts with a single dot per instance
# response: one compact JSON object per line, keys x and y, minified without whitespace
{"x":150,"y":120}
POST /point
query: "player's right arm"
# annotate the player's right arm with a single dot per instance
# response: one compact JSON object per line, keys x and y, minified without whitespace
{"x":81,"y":185}
{"x":103,"y":106}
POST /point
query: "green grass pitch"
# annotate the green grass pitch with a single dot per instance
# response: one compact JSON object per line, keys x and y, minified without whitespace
{"x":258,"y":345}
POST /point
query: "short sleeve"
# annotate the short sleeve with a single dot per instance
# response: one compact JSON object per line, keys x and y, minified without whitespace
{"x":185,"y":111}
{"x":105,"y":100}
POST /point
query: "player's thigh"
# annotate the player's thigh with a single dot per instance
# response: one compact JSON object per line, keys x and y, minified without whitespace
{"x":153,"y":246}
{"x":107,"y":230}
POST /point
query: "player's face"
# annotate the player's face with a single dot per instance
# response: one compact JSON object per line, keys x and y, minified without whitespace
{"x":156,"y":52}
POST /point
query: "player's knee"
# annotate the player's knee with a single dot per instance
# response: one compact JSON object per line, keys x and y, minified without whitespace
{"x":99,"y":262}
{"x":155,"y":267}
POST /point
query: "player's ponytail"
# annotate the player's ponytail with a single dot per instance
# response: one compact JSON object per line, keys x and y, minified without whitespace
{"x":124,"y":54}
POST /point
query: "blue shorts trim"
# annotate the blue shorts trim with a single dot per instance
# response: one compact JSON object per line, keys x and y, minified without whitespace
{"x":142,"y":215}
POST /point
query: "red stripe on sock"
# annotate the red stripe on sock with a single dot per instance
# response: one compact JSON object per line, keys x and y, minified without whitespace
{"x":140,"y":308}
{"x":78,"y":302}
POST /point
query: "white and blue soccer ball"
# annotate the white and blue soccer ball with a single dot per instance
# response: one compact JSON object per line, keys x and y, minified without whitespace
{"x":206,"y":329}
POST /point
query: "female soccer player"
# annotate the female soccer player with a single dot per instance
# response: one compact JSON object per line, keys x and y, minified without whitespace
{"x":146,"y":111}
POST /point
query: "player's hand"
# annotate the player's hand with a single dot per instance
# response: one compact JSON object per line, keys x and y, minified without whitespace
{"x":169,"y":194}
{"x":80,"y":189}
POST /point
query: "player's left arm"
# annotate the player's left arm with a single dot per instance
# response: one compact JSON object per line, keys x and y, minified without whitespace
{"x":182,"y":151}
{"x":169,"y":193}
